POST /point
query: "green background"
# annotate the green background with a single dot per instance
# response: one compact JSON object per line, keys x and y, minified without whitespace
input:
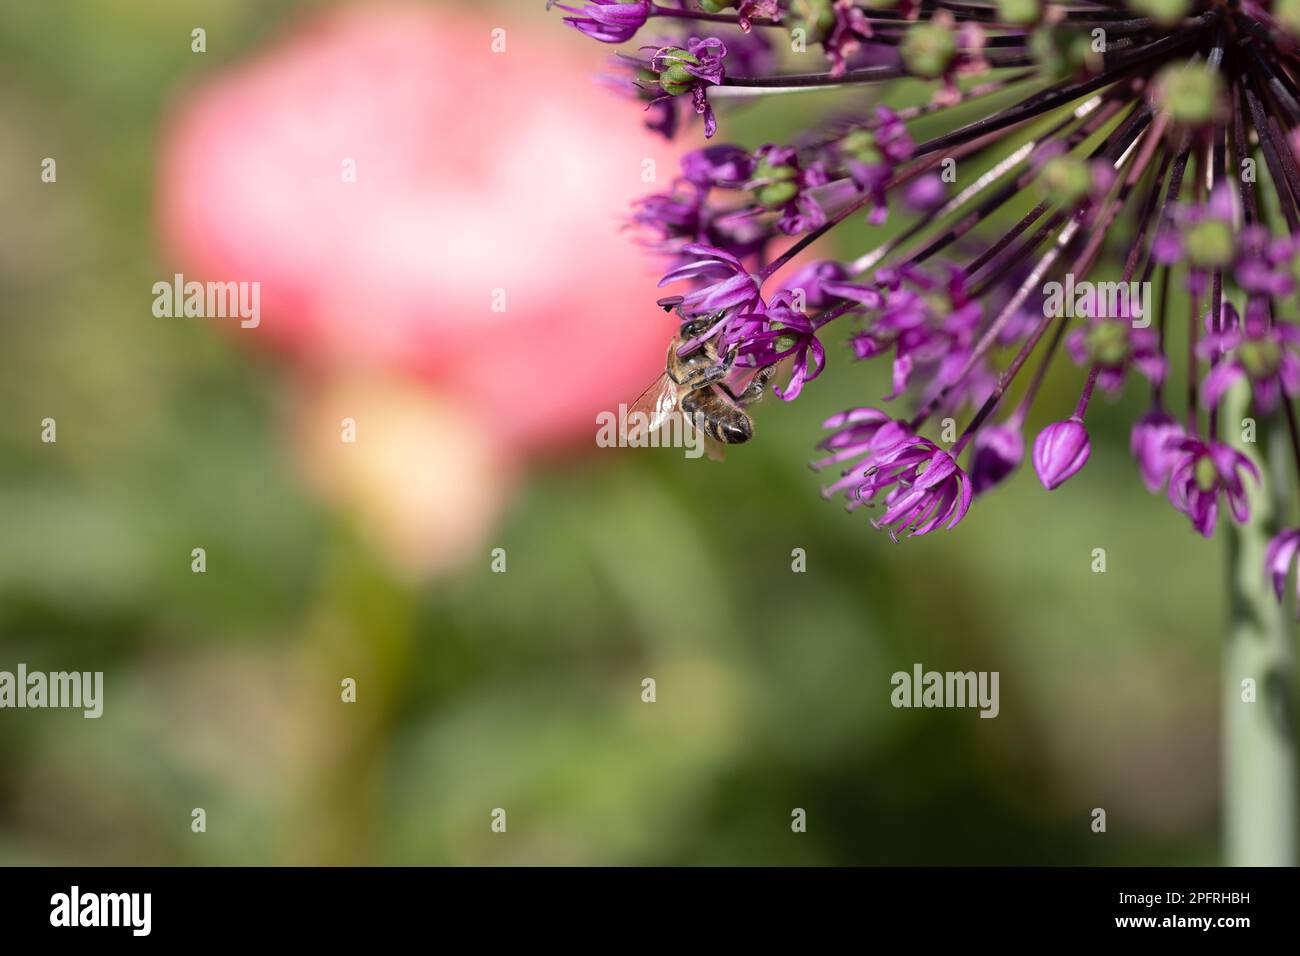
{"x":522,"y":690}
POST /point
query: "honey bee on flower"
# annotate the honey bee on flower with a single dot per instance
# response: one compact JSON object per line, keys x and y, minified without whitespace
{"x":1177,"y":121}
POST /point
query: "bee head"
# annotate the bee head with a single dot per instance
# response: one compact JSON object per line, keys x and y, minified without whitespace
{"x":697,"y":325}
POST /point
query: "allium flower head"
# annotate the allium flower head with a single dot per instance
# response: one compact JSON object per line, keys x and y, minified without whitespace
{"x":1140,"y":153}
{"x":1203,"y":472}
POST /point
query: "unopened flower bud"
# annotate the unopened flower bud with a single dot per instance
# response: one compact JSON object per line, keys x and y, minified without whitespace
{"x":675,"y":79}
{"x":1065,"y":179}
{"x":1167,"y":13}
{"x":1060,"y":451}
{"x":996,"y":452}
{"x":1191,"y":93}
{"x":815,"y":17}
{"x":1020,"y":12}
{"x":1287,"y":14}
{"x":775,"y":184}
{"x":1209,"y":243}
{"x":928,"y":49}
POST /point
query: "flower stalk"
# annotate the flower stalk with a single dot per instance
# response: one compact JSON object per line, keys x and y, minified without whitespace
{"x":1258,"y":744}
{"x":1156,"y":141}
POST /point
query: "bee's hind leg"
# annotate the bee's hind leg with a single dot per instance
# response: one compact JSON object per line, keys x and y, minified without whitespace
{"x":754,"y":390}
{"x":704,"y":376}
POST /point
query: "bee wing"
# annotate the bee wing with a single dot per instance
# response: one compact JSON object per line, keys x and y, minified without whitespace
{"x":652,"y":409}
{"x":655,"y":409}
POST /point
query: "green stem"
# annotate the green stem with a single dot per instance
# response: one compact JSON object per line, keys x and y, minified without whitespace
{"x":1259,"y":756}
{"x":362,"y":628}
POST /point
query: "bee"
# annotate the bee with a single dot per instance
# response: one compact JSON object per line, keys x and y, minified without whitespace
{"x":695,"y":389}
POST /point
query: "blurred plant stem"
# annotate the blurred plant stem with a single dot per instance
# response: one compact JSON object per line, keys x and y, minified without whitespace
{"x":361,"y":629}
{"x":1259,"y":757}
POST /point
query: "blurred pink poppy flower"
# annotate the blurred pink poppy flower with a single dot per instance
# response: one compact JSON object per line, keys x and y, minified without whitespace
{"x":475,"y":186}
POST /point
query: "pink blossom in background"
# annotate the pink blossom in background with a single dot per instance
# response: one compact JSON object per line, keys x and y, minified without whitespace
{"x":463,"y":186}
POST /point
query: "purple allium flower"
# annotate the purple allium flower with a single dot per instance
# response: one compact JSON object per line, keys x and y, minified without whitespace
{"x":1263,"y":354}
{"x":1278,"y":557}
{"x":1141,"y":145}
{"x":724,"y":166}
{"x":610,"y":21}
{"x":926,"y":329}
{"x":780,"y":183}
{"x":669,"y":222}
{"x":729,"y":286}
{"x":826,"y":282}
{"x":925,"y":193}
{"x":846,"y":36}
{"x":1060,"y":451}
{"x":692,"y":70}
{"x":1115,"y":345}
{"x":784,"y":332}
{"x":918,"y":484}
{"x":858,"y":433}
{"x":1203,"y":471}
{"x":750,"y":10}
{"x":1154,"y":442}
{"x":1202,"y":236}
{"x":1264,"y":262}
{"x":671,"y":216}
{"x":996,"y":452}
{"x":812,"y":280}
{"x":871,"y":154}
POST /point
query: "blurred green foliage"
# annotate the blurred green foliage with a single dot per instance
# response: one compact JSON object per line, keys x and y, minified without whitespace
{"x":522,"y":690}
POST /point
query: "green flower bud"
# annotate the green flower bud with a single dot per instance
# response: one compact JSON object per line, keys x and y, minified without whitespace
{"x":778,"y":186}
{"x":1061,"y":52}
{"x":675,"y":80}
{"x":1287,"y":14}
{"x":1020,"y":12}
{"x":861,"y":145}
{"x":928,"y":49}
{"x":776,"y":195}
{"x":1064,"y":179}
{"x":1207,"y":476}
{"x":939,"y":303}
{"x":815,"y":17}
{"x":1107,"y":343}
{"x":1167,"y":13}
{"x":1190,"y":92}
{"x":1259,"y":357}
{"x":1209,"y":243}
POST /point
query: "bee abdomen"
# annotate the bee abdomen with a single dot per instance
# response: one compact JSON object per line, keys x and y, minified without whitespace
{"x":722,"y":421}
{"x":733,"y":429}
